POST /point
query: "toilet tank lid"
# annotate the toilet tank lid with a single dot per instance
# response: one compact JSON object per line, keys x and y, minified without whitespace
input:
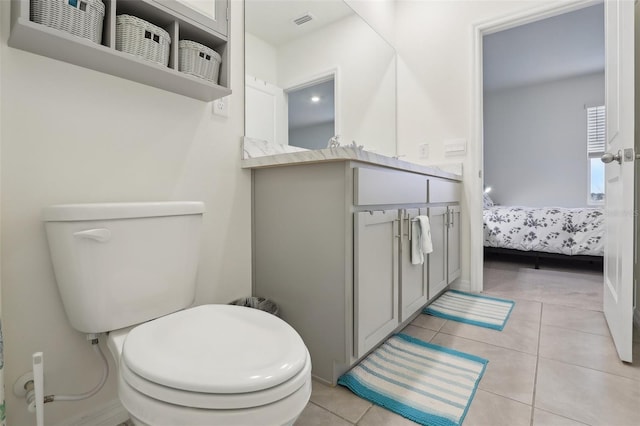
{"x":103,"y":211}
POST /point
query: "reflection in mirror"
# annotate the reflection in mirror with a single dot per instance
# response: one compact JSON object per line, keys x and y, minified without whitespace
{"x":312,"y":115}
{"x":314,"y":70}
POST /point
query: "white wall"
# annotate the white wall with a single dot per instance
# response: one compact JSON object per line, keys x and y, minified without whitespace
{"x":380,"y":14}
{"x":72,"y":135}
{"x":434,"y":40}
{"x":365,"y":83}
{"x":261,"y":59}
{"x":314,"y":136}
{"x":535,"y":141}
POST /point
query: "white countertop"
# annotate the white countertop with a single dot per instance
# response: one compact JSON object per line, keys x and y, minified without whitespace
{"x":343,"y":154}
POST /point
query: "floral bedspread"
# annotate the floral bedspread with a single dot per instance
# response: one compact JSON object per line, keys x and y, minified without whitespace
{"x":578,"y":231}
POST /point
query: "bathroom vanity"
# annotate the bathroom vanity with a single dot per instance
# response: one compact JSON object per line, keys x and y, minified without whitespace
{"x":331,"y":246}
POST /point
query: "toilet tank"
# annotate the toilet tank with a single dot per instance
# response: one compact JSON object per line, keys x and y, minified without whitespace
{"x":120,"y":264}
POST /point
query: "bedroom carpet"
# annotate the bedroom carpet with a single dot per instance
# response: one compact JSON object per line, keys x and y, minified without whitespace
{"x":475,"y":309}
{"x":426,"y":383}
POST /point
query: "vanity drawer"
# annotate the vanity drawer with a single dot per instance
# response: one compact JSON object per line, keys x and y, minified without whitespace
{"x":378,"y":186}
{"x":444,"y":191}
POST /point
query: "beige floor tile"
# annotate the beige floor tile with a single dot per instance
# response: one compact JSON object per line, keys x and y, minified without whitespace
{"x":318,"y":416}
{"x":526,"y":310}
{"x":587,"y":395}
{"x":517,"y":335}
{"x":378,"y":416}
{"x":575,"y":319}
{"x":428,"y":321}
{"x":488,"y":409}
{"x":544,"y":418}
{"x":419,"y":332}
{"x":569,"y":287}
{"x":586,"y":300}
{"x":509,"y":373}
{"x":586,"y":350}
{"x":339,"y":400}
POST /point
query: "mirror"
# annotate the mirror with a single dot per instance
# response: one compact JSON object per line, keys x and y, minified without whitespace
{"x":314,"y":70}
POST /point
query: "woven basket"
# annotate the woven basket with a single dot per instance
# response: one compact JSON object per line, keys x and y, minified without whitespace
{"x":141,"y":38}
{"x":198,"y":60}
{"x":82,"y":18}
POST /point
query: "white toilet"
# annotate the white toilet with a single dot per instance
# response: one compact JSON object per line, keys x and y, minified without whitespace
{"x":129,"y":269}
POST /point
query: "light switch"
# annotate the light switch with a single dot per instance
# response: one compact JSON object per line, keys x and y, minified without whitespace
{"x":455,"y":147}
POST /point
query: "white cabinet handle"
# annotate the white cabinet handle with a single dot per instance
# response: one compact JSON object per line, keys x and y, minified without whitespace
{"x":101,"y":235}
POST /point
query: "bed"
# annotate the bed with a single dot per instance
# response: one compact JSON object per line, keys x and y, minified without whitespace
{"x":576,"y":232}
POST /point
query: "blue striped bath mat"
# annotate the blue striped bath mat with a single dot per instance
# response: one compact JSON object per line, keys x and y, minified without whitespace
{"x":426,"y":383}
{"x":484,"y":311}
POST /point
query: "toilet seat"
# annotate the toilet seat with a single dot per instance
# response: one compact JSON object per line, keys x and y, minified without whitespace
{"x":212,"y":400}
{"x":215,"y":357}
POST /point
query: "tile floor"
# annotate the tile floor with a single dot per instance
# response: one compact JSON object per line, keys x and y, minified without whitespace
{"x":553,"y":364}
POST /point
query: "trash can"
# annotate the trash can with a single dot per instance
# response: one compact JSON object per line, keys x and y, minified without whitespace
{"x":258,"y":303}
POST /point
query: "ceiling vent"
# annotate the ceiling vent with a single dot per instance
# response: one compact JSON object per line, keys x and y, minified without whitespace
{"x":303,"y":19}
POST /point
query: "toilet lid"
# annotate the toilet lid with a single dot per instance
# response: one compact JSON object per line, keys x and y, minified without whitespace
{"x":215,"y":349}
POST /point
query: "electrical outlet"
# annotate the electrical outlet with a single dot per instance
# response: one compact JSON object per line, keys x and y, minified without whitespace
{"x":221,"y":106}
{"x":423,"y":151}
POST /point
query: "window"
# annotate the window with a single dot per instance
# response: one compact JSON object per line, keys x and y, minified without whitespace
{"x":595,"y":149}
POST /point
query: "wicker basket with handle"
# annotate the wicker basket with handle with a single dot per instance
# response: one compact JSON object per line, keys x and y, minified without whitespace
{"x":199,"y":60}
{"x":141,"y":38}
{"x":82,"y":18}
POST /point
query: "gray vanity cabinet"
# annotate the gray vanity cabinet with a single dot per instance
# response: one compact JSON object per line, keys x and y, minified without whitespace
{"x":414,"y":278}
{"x":444,"y":262}
{"x":438,"y":258}
{"x":331,"y":247}
{"x":376,"y":277}
{"x":453,"y":243}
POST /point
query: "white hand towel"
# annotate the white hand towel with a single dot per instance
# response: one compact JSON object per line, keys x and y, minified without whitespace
{"x":417,"y":258}
{"x":426,"y":246}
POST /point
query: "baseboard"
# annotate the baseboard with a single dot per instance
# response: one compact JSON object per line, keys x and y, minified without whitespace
{"x":462,"y":285}
{"x":110,"y":414}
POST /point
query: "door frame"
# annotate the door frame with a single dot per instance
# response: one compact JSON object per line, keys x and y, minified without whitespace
{"x":320,"y":77}
{"x":475,"y":186}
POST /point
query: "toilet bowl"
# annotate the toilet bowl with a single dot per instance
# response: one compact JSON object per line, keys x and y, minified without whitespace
{"x":129,"y":269}
{"x":212,"y":364}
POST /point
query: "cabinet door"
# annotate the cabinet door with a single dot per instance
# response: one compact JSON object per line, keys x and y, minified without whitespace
{"x":375,"y":278}
{"x":453,"y":244}
{"x":438,"y":258}
{"x":212,"y":14}
{"x":413,"y":278}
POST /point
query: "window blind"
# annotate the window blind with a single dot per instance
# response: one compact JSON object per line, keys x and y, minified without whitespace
{"x":595,"y":130}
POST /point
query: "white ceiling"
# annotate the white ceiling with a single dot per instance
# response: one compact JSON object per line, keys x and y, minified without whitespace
{"x":272,"y":20}
{"x":550,"y":49}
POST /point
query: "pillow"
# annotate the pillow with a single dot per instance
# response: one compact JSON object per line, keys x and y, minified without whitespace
{"x":486,"y":201}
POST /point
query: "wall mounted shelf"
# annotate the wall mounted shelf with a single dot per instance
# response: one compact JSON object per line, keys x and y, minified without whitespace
{"x":57,"y":44}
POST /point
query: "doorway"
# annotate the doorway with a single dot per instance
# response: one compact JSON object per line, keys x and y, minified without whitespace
{"x":312,"y":114}
{"x":532,"y":68}
{"x":619,"y":81}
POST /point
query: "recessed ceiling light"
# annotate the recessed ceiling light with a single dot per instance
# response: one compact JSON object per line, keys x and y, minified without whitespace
{"x":315,"y":99}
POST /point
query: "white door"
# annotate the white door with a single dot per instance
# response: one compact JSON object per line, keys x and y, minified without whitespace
{"x":619,"y":174}
{"x":265,"y":112}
